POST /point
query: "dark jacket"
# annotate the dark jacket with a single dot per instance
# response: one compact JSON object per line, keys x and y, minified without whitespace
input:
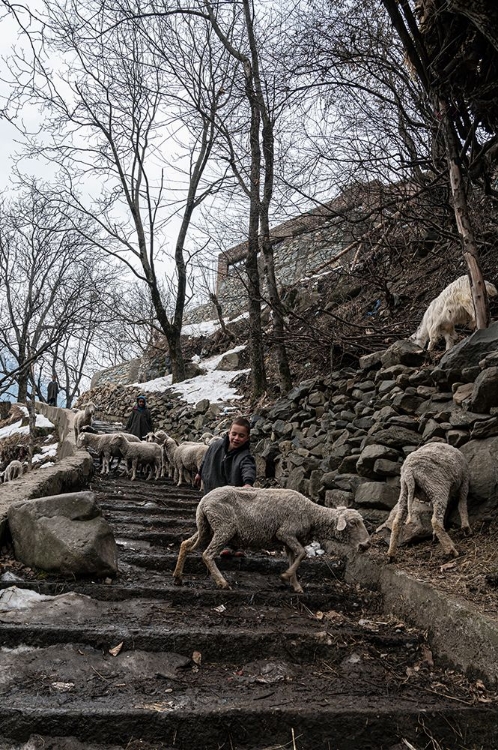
{"x":52,"y":391}
{"x":139,"y":422}
{"x":223,"y":467}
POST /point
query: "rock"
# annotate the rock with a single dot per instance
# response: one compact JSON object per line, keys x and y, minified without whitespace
{"x":376,"y":495}
{"x":462,"y":393}
{"x":403,"y":352}
{"x":202,"y":406}
{"x":485,"y":391}
{"x":369,"y":361}
{"x":348,"y":464}
{"x":296,"y":480}
{"x":407,"y":402}
{"x":63,"y":533}
{"x":394,"y":437}
{"x":369,"y":455}
{"x":457,"y":438}
{"x":485,"y":429}
{"x":385,"y":468}
{"x":419,"y":528}
{"x":483,"y":492}
{"x":471,"y":350}
{"x":233,"y":361}
{"x":336,"y":498}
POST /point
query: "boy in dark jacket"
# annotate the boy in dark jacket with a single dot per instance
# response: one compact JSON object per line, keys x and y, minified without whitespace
{"x":229,"y":462}
{"x":139,"y":422}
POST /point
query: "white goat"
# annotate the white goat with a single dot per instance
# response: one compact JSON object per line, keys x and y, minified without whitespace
{"x":105,"y":446}
{"x":143,"y":452}
{"x":83,"y":417}
{"x":452,"y":307}
{"x":188,"y":457}
{"x":12,"y":471}
{"x":438,"y":471}
{"x":258,"y":518}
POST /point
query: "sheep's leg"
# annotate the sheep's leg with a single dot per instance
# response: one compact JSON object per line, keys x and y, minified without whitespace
{"x":105,"y":463}
{"x":180,"y":475}
{"x":214,"y":548}
{"x":298,"y":553}
{"x":462,"y":506}
{"x":185,"y":547}
{"x":134,"y":465}
{"x":437,"y":522}
{"x":293,"y":579}
{"x":398,"y":521}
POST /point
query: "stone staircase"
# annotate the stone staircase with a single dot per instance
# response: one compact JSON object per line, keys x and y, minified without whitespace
{"x":139,"y":663}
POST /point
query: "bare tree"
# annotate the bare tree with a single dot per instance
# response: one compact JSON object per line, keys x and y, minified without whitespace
{"x":115,"y":115}
{"x":51,"y":284}
{"x":263,"y":112}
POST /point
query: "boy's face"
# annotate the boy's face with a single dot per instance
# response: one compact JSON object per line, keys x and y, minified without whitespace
{"x":141,"y":403}
{"x":237,"y":436}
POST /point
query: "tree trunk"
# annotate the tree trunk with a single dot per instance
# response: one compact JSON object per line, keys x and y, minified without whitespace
{"x":22,"y":386}
{"x":463,"y":222}
{"x":257,"y":101}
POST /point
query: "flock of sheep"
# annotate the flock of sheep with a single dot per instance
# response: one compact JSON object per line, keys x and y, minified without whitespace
{"x":259,"y":517}
{"x":158,"y":455}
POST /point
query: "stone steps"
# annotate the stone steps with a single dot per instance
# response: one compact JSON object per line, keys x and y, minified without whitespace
{"x":250,"y":668}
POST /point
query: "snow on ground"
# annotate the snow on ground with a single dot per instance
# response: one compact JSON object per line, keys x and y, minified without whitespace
{"x":41,"y":421}
{"x":205,"y":328}
{"x":47,"y":451}
{"x":213,"y":385}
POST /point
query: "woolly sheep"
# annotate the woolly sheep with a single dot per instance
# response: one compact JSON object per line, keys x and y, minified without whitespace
{"x":13,"y":470}
{"x":168,"y":445}
{"x":105,"y":446}
{"x":83,"y":417}
{"x":258,"y":518}
{"x":439,"y":471}
{"x":188,"y":457}
{"x":452,"y":307}
{"x":143,"y":452}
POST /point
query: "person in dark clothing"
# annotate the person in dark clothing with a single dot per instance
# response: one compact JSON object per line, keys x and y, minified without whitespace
{"x":229,"y":462}
{"x":52,"y":391}
{"x":140,"y":421}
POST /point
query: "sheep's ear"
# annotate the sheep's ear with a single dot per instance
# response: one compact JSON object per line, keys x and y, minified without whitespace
{"x":341,"y":523}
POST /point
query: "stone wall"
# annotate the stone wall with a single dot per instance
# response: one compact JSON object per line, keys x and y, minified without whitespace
{"x":123,"y":374}
{"x":296,"y":258}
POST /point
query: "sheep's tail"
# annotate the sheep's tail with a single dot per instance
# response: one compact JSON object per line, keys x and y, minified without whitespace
{"x":408,"y":487}
{"x":204,"y":532}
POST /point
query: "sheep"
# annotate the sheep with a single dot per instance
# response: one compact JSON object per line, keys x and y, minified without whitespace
{"x":438,"y":471}
{"x":105,"y":446}
{"x":83,"y":417}
{"x":452,"y":307}
{"x":208,"y":438}
{"x":168,"y":445}
{"x":14,"y":469}
{"x":188,"y":457}
{"x":145,"y":452}
{"x":258,"y":518}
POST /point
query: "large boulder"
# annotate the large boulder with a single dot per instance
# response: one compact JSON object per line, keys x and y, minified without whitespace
{"x":485,"y":391}
{"x":63,"y":534}
{"x":470,"y":351}
{"x":483,"y":492}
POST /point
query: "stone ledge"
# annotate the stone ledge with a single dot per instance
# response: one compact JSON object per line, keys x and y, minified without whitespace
{"x":70,"y":473}
{"x":457,"y":632}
